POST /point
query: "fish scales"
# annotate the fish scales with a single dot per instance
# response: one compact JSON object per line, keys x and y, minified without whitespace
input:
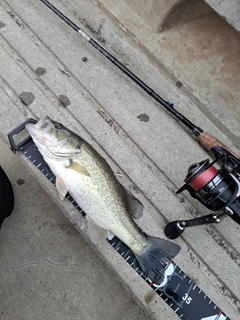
{"x":101,"y":192}
{"x":82,"y":172}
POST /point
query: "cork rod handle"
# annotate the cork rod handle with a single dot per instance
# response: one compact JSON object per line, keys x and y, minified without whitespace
{"x":208,"y":141}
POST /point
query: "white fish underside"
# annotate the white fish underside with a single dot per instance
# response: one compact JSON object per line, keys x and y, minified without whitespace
{"x":86,"y":176}
{"x":99,"y":196}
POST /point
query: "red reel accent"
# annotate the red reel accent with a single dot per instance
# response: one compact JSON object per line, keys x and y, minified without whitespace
{"x":203,"y":178}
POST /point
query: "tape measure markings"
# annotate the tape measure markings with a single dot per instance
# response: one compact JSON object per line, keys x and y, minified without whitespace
{"x":177,"y":289}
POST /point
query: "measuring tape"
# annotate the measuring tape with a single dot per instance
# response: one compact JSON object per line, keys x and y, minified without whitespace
{"x":182,"y":295}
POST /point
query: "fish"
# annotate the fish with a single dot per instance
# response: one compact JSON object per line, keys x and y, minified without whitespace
{"x":109,"y":207}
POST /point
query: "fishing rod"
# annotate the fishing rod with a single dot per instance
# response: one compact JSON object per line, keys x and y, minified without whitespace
{"x":205,"y":139}
{"x":217,"y":190}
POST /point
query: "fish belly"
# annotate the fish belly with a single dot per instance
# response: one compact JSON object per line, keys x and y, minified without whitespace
{"x":101,"y":197}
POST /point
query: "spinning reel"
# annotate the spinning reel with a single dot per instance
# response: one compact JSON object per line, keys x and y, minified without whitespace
{"x":218,"y":190}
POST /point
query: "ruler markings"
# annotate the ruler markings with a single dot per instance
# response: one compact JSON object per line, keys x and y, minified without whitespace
{"x":177,"y":289}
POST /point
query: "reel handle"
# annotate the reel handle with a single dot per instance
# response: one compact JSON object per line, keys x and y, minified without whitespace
{"x":175,"y":228}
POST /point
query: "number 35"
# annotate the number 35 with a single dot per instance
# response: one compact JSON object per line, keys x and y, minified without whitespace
{"x":187,"y":299}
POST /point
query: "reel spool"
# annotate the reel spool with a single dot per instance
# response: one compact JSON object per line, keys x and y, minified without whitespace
{"x":218,"y":190}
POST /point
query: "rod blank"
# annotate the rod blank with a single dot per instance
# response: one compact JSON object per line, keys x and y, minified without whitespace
{"x":206,"y":140}
{"x":195,"y":130}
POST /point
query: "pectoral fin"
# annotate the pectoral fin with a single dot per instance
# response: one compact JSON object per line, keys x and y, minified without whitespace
{"x":61,"y":187}
{"x":78,"y":168}
{"x":135,"y":207}
{"x":97,"y":234}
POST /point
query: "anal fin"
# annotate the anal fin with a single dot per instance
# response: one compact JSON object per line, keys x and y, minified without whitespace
{"x":97,"y":234}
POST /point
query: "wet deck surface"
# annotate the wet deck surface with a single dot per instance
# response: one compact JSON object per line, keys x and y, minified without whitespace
{"x":47,"y":69}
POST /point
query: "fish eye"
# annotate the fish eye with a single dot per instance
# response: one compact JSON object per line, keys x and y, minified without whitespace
{"x":58,"y":126}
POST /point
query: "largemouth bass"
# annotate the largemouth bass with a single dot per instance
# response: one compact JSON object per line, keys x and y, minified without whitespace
{"x":82,"y":172}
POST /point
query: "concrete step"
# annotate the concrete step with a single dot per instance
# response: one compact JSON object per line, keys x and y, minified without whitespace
{"x":44,"y":74}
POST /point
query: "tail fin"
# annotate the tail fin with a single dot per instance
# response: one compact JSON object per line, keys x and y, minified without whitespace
{"x":155,"y":256}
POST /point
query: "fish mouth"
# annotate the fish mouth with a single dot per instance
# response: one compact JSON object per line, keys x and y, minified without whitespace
{"x":43,"y":126}
{"x":45,"y":136}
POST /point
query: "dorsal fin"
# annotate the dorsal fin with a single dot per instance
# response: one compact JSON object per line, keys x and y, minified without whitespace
{"x":134,"y":206}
